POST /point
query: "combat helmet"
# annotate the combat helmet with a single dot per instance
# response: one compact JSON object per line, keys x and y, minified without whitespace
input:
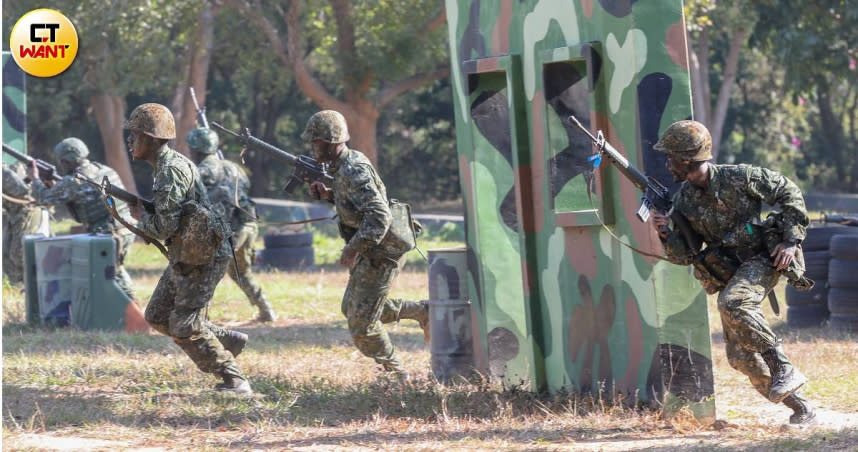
{"x":203,"y":140}
{"x":152,"y":119}
{"x":71,"y":150}
{"x":686,"y":140}
{"x":326,"y":125}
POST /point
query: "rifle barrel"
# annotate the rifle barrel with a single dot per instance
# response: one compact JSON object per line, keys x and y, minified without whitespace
{"x":633,"y":174}
{"x":43,"y":166}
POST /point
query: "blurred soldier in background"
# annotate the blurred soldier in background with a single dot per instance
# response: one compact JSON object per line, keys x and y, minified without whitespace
{"x":361,"y":203}
{"x":723,"y":205}
{"x":197,"y":246}
{"x":84,"y":202}
{"x":228,"y":189}
{"x":21,"y":216}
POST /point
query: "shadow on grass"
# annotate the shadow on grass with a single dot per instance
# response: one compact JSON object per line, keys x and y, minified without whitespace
{"x":314,"y":403}
{"x":803,"y":335}
{"x":29,"y":339}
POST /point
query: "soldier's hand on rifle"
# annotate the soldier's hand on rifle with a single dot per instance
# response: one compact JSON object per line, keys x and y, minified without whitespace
{"x":783,"y":254}
{"x":137,"y":210}
{"x":660,"y":222}
{"x":347,"y":259}
{"x":318,"y":190}
{"x":33,"y":173}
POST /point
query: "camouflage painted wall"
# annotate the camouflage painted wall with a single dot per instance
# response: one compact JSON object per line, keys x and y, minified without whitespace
{"x":562,"y":304}
{"x":14,"y":107}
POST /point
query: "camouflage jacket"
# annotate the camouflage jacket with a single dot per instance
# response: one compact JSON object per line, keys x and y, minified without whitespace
{"x":727,"y":212}
{"x":85,"y":202}
{"x":15,"y":187}
{"x":360,"y":200}
{"x":176,"y":181}
{"x":228,"y":188}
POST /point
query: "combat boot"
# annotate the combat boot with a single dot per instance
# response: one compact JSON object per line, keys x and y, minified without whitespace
{"x":786,"y":379}
{"x":266,"y":314}
{"x":233,"y":342}
{"x":803,"y":413}
{"x":233,"y":382}
{"x":418,"y":311}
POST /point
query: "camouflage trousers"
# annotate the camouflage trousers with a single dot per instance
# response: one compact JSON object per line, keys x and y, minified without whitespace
{"x":15,"y":227}
{"x":239,"y":269}
{"x":178,"y":309}
{"x":367,"y":308}
{"x":746,"y":332}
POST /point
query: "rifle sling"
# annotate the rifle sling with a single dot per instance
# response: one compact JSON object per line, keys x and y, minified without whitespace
{"x":15,"y":200}
{"x":599,"y":217}
{"x":773,"y":302}
{"x":287,"y":223}
{"x":132,"y":228}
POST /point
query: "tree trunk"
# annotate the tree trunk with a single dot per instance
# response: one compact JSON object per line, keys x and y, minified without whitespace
{"x":110,"y":115}
{"x":197,"y":76}
{"x":363,"y":123}
{"x":700,"y":78}
{"x":730,"y":68}
{"x":832,"y":132}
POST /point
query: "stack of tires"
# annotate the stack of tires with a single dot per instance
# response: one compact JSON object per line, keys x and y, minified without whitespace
{"x":288,"y":251}
{"x":810,"y":308}
{"x":842,"y":281}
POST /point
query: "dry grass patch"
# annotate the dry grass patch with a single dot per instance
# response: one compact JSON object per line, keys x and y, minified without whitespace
{"x":316,"y":392}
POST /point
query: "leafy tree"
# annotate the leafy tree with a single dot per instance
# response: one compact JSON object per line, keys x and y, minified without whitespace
{"x":355,"y":57}
{"x":817,"y":44}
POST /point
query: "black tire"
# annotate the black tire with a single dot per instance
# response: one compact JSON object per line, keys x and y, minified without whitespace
{"x":288,"y":258}
{"x":816,"y":264}
{"x":807,"y":316}
{"x":818,"y":238}
{"x":843,"y":274}
{"x":844,"y":247}
{"x":848,"y":322}
{"x":843,"y":301}
{"x":298,"y":240}
{"x":815,"y":296}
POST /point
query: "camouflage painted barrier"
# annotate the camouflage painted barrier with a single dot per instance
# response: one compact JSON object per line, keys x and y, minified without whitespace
{"x":70,"y":282}
{"x":563,"y":305}
{"x":53,"y":263}
{"x":456,"y":348}
{"x":14,"y":107}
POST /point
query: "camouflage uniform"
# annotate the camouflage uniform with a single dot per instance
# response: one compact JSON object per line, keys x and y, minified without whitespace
{"x":18,"y":220}
{"x":86,"y":205}
{"x":361,"y":204}
{"x":228,"y":188}
{"x":182,"y":295}
{"x":727,"y":215}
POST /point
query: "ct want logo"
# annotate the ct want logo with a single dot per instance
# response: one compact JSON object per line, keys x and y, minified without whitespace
{"x":43,"y":42}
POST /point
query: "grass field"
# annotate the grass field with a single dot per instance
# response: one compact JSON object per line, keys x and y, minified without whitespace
{"x":72,"y":390}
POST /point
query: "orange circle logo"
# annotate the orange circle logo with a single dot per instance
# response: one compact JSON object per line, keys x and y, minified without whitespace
{"x":43,"y":42}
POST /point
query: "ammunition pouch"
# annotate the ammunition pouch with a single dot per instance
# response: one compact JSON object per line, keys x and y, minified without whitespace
{"x":714,"y":267}
{"x":401,"y":237}
{"x":773,"y":233}
{"x":199,"y":237}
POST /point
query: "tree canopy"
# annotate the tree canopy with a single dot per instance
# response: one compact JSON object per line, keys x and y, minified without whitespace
{"x":775,"y":80}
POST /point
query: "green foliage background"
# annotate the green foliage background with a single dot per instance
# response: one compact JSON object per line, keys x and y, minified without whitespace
{"x":793,"y":109}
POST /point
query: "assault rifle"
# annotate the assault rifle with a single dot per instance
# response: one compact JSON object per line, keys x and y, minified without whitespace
{"x":306,"y":169}
{"x":202,"y":121}
{"x":656,"y":194}
{"x":46,"y":170}
{"x":847,"y":220}
{"x":712,"y":267}
{"x":110,"y":190}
